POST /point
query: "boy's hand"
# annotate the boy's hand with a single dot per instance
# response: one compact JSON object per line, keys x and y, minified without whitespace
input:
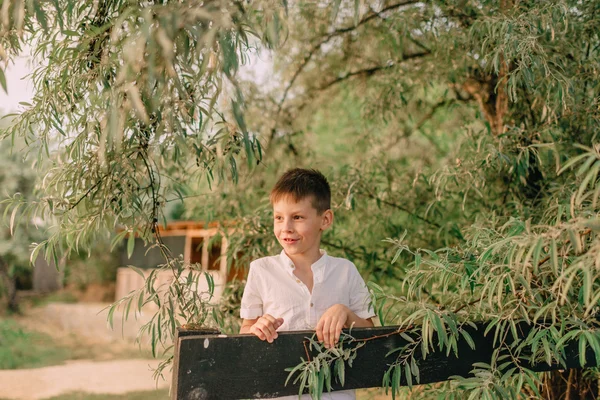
{"x":265,"y":328}
{"x":331,"y":323}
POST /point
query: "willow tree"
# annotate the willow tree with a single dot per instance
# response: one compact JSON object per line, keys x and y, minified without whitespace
{"x":465,"y":132}
{"x":133,"y":103}
{"x":469,"y":113}
{"x":17,"y":177}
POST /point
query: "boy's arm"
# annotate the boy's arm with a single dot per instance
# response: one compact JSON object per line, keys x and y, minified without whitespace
{"x":247,"y":324}
{"x":354,"y":321}
{"x":265,"y":327}
{"x":334,"y":319}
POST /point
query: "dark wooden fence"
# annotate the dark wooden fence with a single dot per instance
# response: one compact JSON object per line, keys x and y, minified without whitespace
{"x":210,"y":366}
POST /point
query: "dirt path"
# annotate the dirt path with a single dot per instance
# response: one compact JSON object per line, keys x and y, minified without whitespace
{"x":86,"y":320}
{"x":83,"y":327}
{"x":106,"y":377}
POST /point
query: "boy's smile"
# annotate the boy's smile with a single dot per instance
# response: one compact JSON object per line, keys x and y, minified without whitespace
{"x":298,"y":226}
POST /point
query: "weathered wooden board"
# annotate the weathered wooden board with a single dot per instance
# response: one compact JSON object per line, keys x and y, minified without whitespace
{"x":221,"y":367}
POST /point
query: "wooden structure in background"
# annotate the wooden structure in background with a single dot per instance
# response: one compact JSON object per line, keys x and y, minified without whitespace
{"x":46,"y":276}
{"x":214,"y":367}
{"x":196,"y":241}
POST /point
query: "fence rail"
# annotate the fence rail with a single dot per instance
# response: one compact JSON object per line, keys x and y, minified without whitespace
{"x":210,"y":366}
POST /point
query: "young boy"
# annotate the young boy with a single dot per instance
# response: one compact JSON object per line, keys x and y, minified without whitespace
{"x":303,"y":287}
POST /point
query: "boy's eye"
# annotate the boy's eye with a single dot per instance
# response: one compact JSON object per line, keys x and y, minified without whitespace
{"x":297,"y":217}
{"x":278,"y":218}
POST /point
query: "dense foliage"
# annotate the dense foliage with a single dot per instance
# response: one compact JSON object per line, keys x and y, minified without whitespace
{"x":465,"y":132}
{"x":17,"y":178}
{"x":459,"y":136}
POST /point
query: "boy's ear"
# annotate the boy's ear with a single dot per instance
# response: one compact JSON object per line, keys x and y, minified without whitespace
{"x":327,"y":219}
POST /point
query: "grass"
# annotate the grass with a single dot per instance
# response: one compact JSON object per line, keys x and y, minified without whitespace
{"x":162,"y":394}
{"x":55,"y":297}
{"x":20,"y":348}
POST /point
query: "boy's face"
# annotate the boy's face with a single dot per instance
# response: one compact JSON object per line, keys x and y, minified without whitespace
{"x":298,"y":226}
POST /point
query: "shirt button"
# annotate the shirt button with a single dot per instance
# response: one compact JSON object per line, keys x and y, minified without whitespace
{"x":311,"y":304}
{"x":298,"y":280}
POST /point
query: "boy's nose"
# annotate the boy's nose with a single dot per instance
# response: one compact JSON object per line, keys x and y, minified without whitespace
{"x":288,"y":226}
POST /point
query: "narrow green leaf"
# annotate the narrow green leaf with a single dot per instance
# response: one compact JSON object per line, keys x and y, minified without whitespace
{"x":117,"y":239}
{"x":12,"y":219}
{"x":36,"y":250}
{"x":407,"y":337}
{"x":586,"y":165}
{"x":589,"y":179}
{"x":536,"y":254}
{"x":137,"y":271}
{"x":396,"y":375}
{"x":341,"y":371}
{"x":293,"y":371}
{"x":468,"y":339}
{"x":3,"y":81}
{"x":335,"y":10}
{"x":554,"y":256}
{"x":572,"y":162}
{"x":153,"y":340}
{"x":408,"y":375}
{"x":110,"y":317}
{"x":130,"y":244}
{"x":582,"y":346}
{"x":40,"y":14}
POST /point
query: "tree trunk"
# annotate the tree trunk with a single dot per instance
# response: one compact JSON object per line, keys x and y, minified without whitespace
{"x":569,"y":385}
{"x":10,"y":287}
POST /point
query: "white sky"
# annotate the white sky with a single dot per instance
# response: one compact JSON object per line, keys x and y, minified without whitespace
{"x":259,"y":69}
{"x":19,"y":89}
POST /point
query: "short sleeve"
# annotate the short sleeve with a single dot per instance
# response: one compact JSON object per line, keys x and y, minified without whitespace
{"x":252,"y":304}
{"x":360,"y":299}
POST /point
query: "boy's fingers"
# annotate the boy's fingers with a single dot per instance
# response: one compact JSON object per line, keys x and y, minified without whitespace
{"x":271,"y":328}
{"x":333,"y":335}
{"x":257,"y":332}
{"x":264,"y":326}
{"x":338,"y":332}
{"x":327,"y":335}
{"x":267,"y":329}
{"x":335,"y":329}
{"x":320,"y":331}
{"x":269,"y":318}
{"x":269,"y":334}
{"x":274,"y":324}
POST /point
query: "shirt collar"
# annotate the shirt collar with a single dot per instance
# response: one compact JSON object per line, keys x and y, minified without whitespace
{"x":318,"y":267}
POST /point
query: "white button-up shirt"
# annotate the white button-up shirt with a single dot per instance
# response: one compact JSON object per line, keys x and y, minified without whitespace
{"x":272,"y":288}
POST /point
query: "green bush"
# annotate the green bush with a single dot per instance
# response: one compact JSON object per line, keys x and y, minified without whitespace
{"x":99,"y":266}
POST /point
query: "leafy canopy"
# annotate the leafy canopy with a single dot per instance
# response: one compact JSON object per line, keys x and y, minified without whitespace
{"x":453,"y":121}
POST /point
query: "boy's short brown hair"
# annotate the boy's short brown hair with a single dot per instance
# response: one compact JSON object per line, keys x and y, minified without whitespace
{"x":301,"y":183}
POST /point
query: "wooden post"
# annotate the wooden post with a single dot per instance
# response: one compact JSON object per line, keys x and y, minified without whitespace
{"x":213,"y":366}
{"x":179,"y":334}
